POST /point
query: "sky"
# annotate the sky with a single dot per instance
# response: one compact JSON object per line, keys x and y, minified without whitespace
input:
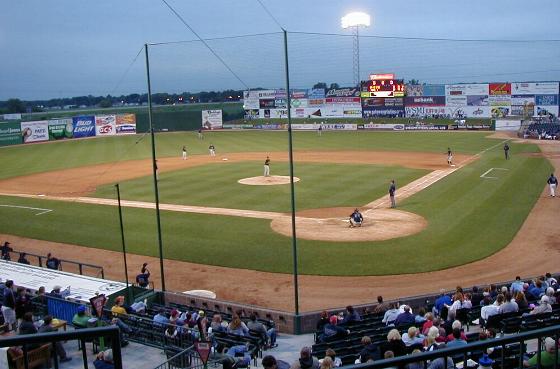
{"x":63,"y":48}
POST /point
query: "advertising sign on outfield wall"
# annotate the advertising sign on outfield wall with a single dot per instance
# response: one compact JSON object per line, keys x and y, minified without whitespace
{"x":550,"y":100}
{"x":414,"y":90}
{"x":522,"y":100}
{"x":35,"y":131}
{"x":105,"y":125}
{"x":476,"y":111}
{"x":298,"y":103}
{"x":84,"y":126}
{"x":250,"y":100}
{"x":14,"y":116}
{"x":500,"y":111}
{"x":477,"y":100}
{"x":344,"y":92}
{"x":316,"y":93}
{"x":477,"y":89}
{"x":60,"y":129}
{"x":126,"y":124}
{"x":507,"y":124}
{"x":299,"y":94}
{"x":373,"y":112}
{"x":434,"y":90}
{"x":534,"y":88}
{"x":456,"y":100}
{"x":424,"y":111}
{"x":424,"y":101}
{"x":212,"y":119}
{"x":499,"y":100}
{"x":499,"y":89}
{"x":10,"y":134}
{"x":455,"y":90}
{"x":546,"y":111}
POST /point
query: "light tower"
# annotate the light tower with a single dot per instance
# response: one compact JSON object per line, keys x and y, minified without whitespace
{"x":354,"y":21}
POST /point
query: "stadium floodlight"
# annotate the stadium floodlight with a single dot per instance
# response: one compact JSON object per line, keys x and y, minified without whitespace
{"x":355,"y":20}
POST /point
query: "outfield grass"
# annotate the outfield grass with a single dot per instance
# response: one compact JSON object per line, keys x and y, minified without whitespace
{"x":27,"y":159}
{"x":469,"y":218}
{"x":215,"y":185}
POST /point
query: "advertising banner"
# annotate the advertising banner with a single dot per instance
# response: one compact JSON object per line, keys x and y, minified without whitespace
{"x":454,"y":100}
{"x":542,"y":111}
{"x":281,"y":103}
{"x":477,"y":100}
{"x":308,"y":113}
{"x":499,"y":89}
{"x":305,"y":127}
{"x":332,"y":111}
{"x":278,"y":113}
{"x":380,"y":126}
{"x":266,"y":94}
{"x":352,"y":112}
{"x":250,"y":99}
{"x":396,"y":101}
{"x":548,"y":100}
{"x":298,"y":103}
{"x":212,"y":119}
{"x":525,"y":110}
{"x":126,"y":124}
{"x":534,"y":88}
{"x":343,"y":100}
{"x":315,"y":102}
{"x":499,"y":100}
{"x":267,"y":103}
{"x":280,"y":94}
{"x":477,"y":111}
{"x":455,"y":112}
{"x":373,"y":101}
{"x":500,"y":111}
{"x":426,"y":127}
{"x":299,"y":94}
{"x":455,"y":90}
{"x":522,"y":100}
{"x":507,"y":124}
{"x":10,"y":134}
{"x":316,"y":93}
{"x":36,"y":131}
{"x":424,"y":101}
{"x":434,"y":90}
{"x":372,"y":112}
{"x":340,"y":127}
{"x":251,"y":113}
{"x":344,"y":92}
{"x":414,"y":90}
{"x":13,"y":116}
{"x":105,"y":125}
{"x":83,"y":126}
{"x":424,"y":111}
{"x":477,"y":89}
{"x":60,"y":129}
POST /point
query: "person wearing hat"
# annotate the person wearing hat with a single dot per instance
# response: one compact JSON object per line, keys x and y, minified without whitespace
{"x":332,"y":330}
{"x":81,"y":318}
{"x":202,"y":325}
{"x":544,"y":306}
{"x":234,"y":357}
{"x":118,"y":308}
{"x":5,"y":251}
{"x":270,"y":362}
{"x":548,"y":355}
{"x":356,"y":219}
{"x":47,"y":327}
{"x":305,"y":361}
{"x":57,"y":293}
{"x":485,"y":362}
{"x":104,"y":360}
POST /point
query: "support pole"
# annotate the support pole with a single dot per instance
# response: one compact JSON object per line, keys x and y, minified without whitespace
{"x":297,"y":327}
{"x":122,"y":241}
{"x":154,"y":168}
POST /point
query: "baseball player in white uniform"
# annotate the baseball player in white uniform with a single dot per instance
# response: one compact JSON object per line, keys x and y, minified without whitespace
{"x":212,"y":150}
{"x":267,"y":167}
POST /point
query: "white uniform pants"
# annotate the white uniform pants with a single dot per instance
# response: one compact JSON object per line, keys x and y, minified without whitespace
{"x":266,"y":170}
{"x":212,"y":152}
{"x":552,"y":189}
{"x":184,"y":155}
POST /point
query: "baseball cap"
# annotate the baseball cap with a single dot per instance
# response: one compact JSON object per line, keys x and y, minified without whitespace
{"x":108,"y":355}
{"x":333,"y":319}
{"x":545,"y":299}
{"x":485,"y":361}
{"x":81,"y":309}
{"x":201,"y":313}
{"x":549,"y":343}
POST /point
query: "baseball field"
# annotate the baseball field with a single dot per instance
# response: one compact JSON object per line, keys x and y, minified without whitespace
{"x":235,"y":239}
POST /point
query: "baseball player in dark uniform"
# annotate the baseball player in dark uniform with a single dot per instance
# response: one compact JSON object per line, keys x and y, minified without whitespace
{"x":392,"y":190}
{"x":552,"y":184}
{"x":356,"y":219}
{"x":506,"y":151}
{"x":267,"y":167}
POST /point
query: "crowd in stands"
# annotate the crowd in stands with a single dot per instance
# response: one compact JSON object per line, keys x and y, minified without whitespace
{"x":543,"y":131}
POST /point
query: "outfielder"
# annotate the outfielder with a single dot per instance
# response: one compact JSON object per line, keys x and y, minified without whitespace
{"x":506,"y":151}
{"x":552,"y":184}
{"x":449,"y":156}
{"x":212,"y":150}
{"x":184,"y":153}
{"x":267,"y":167}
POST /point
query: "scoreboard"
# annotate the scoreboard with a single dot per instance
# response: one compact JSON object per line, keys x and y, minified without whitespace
{"x":382,"y":88}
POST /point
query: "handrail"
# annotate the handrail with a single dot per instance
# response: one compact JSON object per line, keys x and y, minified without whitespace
{"x":470,"y":347}
{"x":79,"y":264}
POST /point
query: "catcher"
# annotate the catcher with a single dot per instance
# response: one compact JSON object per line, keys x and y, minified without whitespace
{"x":356,"y":219}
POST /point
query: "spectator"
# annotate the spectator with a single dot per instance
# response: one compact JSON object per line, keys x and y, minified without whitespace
{"x":143,"y":279}
{"x":548,"y":355}
{"x":551,"y":298}
{"x":428,"y":323}
{"x":351,"y":315}
{"x":391,"y":314}
{"x":326,"y":363}
{"x":370,"y":351}
{"x":269,"y":335}
{"x":305,"y":361}
{"x":413,"y":338}
{"x":440,"y":303}
{"x":57,"y":293}
{"x":270,"y":362}
{"x":236,"y":326}
{"x":509,"y":305}
{"x":332,"y":354}
{"x":456,"y":325}
{"x":394,"y":343}
{"x":217,"y":324}
{"x":202,"y":325}
{"x":536,"y":289}
{"x":104,"y":360}
{"x":552,"y":282}
{"x":405,"y":318}
{"x":53,"y":263}
{"x":418,"y":364}
{"x":430,"y":342}
{"x":420,"y":317}
{"x":22,"y":259}
{"x":47,"y":327}
{"x":171,"y":331}
{"x":5,"y":250}
{"x":233,"y":357}
{"x":490,"y":309}
{"x":81,"y":318}
{"x":23,"y":303}
{"x":27,"y":326}
{"x":457,"y":340}
{"x":324,"y":319}
{"x":160,"y":318}
{"x":8,"y":309}
{"x":381,"y":307}
{"x":118,"y":308}
{"x":517,"y":285}
{"x":333,"y":331}
{"x":440,"y":362}
{"x":543,"y":307}
{"x":2,"y":290}
{"x":476,"y":296}
{"x":521,"y":301}
{"x":457,"y":304}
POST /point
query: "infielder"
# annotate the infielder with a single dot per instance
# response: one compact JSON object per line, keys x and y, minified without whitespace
{"x":184,"y":153}
{"x":200,"y":135}
{"x":267,"y":167}
{"x":212,"y":150}
{"x":552,"y":184}
{"x":506,"y":151}
{"x":392,"y":190}
{"x":449,"y":156}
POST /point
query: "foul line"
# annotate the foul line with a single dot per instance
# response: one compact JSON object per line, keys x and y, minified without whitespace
{"x":484,"y":175}
{"x":42,"y":211}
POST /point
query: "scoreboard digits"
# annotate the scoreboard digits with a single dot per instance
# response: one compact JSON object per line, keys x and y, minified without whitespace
{"x":382,"y":88}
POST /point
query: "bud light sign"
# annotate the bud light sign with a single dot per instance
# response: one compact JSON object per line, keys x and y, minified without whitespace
{"x":84,"y":126}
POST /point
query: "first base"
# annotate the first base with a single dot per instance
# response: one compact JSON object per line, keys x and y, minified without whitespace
{"x":224,"y":159}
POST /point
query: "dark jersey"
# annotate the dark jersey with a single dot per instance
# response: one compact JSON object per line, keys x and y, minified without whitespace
{"x":211,"y":147}
{"x":392,"y":189}
{"x":552,"y":180}
{"x":506,"y":147}
{"x":267,"y":162}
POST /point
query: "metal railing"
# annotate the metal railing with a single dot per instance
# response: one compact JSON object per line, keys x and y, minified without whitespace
{"x":474,"y":351}
{"x":82,"y":335}
{"x":187,"y":358}
{"x":39,"y":261}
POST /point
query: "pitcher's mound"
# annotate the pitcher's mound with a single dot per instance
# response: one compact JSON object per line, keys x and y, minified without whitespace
{"x":267,"y":181}
{"x":333,"y":225}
